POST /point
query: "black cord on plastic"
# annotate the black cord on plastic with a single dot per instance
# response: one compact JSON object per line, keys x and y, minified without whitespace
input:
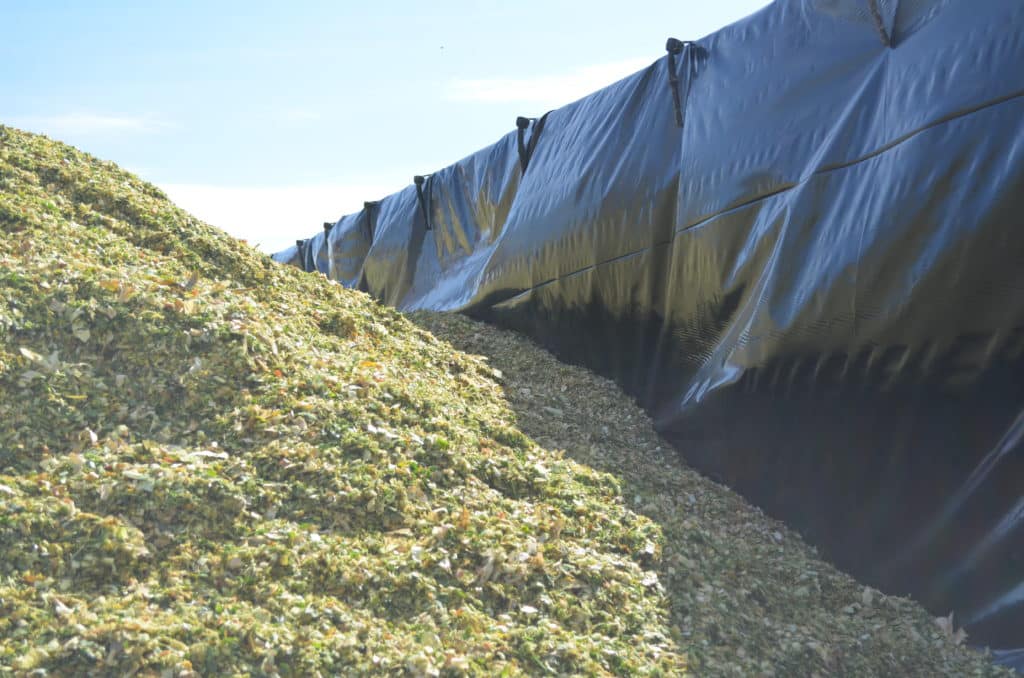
{"x":419,"y":181}
{"x":876,"y":15}
{"x":674,"y":47}
{"x":538,"y":127}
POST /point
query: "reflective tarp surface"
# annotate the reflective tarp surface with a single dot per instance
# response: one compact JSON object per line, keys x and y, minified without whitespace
{"x":799,"y":243}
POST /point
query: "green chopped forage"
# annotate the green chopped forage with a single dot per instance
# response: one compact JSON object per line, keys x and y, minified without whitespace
{"x":211,"y":464}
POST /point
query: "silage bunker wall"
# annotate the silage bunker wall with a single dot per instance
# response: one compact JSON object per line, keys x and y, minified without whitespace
{"x":810,"y":271}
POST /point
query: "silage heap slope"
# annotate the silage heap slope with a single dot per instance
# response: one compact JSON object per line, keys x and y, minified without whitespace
{"x":211,"y":462}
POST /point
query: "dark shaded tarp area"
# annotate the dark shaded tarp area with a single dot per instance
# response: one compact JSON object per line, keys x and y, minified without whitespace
{"x":799,"y":242}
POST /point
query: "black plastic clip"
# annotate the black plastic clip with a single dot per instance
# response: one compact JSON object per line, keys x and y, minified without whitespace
{"x":526,"y":149}
{"x":328,"y":225}
{"x":419,"y":181}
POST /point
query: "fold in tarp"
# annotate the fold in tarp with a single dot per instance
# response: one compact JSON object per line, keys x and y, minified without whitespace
{"x":799,"y":242}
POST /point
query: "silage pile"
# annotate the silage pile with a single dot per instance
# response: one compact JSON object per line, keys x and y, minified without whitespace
{"x":211,"y":464}
{"x":747,"y":595}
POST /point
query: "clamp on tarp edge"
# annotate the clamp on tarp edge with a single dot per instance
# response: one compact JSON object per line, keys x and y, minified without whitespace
{"x":368,"y":207}
{"x":419,"y":180}
{"x":526,"y":149}
{"x":521,"y":126}
{"x":677,"y":48}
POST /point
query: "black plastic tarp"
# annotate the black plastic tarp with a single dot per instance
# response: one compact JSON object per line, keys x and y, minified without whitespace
{"x":799,"y":242}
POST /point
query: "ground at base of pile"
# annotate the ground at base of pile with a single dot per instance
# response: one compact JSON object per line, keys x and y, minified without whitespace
{"x":747,"y":595}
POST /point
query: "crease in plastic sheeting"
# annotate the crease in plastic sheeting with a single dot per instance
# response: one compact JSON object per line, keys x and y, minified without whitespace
{"x":864,"y":96}
{"x":1013,"y":659}
{"x":883,"y":14}
{"x":1012,"y":521}
{"x":1011,"y":598}
{"x":465,"y":272}
{"x":912,"y":15}
{"x":833,"y":167}
{"x":1012,"y":440}
{"x":878,"y":14}
{"x":321,"y":255}
{"x":827,"y":169}
{"x":801,"y":85}
{"x":717,"y":372}
{"x":348,"y":243}
{"x":586,"y":180}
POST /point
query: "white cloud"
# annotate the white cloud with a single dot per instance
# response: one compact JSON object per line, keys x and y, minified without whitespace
{"x":550,"y":91}
{"x":274,"y":218}
{"x":77,"y":124}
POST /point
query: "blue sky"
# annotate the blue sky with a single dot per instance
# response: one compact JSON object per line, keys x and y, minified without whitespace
{"x":267,"y":119}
